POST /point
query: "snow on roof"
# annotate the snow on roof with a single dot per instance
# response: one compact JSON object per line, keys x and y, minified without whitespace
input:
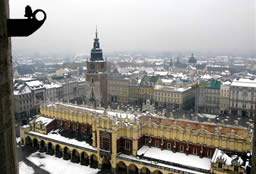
{"x":178,"y":158}
{"x":21,"y":89}
{"x":161,"y":73}
{"x":52,"y":85}
{"x":167,"y":81}
{"x":36,"y":84}
{"x":226,"y":83}
{"x":42,"y":120}
{"x":207,"y":116}
{"x":244,"y":82}
{"x":54,"y":135}
{"x":110,"y":114}
{"x":173,"y":168}
{"x":220,"y":155}
{"x":171,"y":88}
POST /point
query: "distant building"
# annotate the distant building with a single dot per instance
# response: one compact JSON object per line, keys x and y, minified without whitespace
{"x":209,"y":97}
{"x":96,"y":76}
{"x":192,"y":59}
{"x":118,"y":89}
{"x":243,"y":97}
{"x":28,"y":96}
{"x":146,"y":88}
{"x":224,"y":97}
{"x":168,"y":95}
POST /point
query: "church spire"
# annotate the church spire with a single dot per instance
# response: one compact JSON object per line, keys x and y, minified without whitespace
{"x":96,"y":33}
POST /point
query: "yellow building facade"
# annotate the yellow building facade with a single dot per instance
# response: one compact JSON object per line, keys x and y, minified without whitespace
{"x":118,"y":139}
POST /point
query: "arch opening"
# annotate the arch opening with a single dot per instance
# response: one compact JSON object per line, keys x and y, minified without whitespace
{"x":66,"y":153}
{"x":84,"y":159}
{"x":94,"y":162}
{"x":35,"y":144}
{"x":145,"y":170}
{"x":50,"y":149}
{"x":133,"y":169}
{"x":42,"y":146}
{"x":58,"y":151}
{"x":121,"y":168}
{"x":106,"y":165}
{"x":75,"y":156}
{"x":28,"y":141}
{"x":157,"y":172}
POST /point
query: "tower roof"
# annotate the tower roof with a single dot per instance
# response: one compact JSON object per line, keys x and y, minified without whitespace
{"x":96,"y":52}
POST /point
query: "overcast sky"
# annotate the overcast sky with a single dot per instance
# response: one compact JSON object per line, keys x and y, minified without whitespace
{"x":150,"y":25}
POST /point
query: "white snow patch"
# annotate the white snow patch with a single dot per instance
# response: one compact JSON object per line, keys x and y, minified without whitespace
{"x":178,"y":158}
{"x":56,"y":165}
{"x":24,"y":169}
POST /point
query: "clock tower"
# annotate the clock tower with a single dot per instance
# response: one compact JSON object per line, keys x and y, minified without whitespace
{"x":96,"y":76}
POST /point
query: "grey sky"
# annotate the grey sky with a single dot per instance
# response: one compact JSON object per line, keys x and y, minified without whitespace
{"x":154,"y":25}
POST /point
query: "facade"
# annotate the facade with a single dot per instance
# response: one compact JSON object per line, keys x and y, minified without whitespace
{"x":224,"y":97}
{"x":243,"y":97}
{"x":118,"y":90}
{"x":133,"y":91}
{"x":28,"y":97}
{"x":146,"y":88}
{"x":131,"y":142}
{"x":96,"y":76}
{"x":167,"y":95}
{"x":209,"y":97}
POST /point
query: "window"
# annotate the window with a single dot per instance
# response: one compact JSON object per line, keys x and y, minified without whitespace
{"x":105,"y":142}
{"x":92,"y":66}
{"x":209,"y":153}
{"x":236,"y":168}
{"x":169,"y":146}
{"x":219,"y":165}
{"x":181,"y":148}
{"x":127,"y":145}
{"x":146,"y":141}
{"x":102,"y":65}
{"x":195,"y":151}
{"x":156,"y":143}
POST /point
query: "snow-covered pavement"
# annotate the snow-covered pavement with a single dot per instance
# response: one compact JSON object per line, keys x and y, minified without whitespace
{"x":53,"y":165}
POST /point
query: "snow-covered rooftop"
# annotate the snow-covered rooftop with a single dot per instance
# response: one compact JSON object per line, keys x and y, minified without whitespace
{"x":220,"y":155}
{"x":42,"y":120}
{"x":36,"y":84}
{"x":177,"y":158}
{"x":244,"y":82}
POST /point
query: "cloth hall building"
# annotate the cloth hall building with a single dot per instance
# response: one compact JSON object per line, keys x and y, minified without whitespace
{"x":132,"y":142}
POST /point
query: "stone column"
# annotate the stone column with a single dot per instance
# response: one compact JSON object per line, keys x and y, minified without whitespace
{"x":8,"y":160}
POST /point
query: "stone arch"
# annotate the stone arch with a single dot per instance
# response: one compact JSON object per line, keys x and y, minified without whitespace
{"x":50,"y":149}
{"x":121,"y":167}
{"x":66,"y":153}
{"x":28,"y":141}
{"x":157,"y":172}
{"x":35,"y":144}
{"x":133,"y":169}
{"x":94,"y":161}
{"x":145,"y":170}
{"x":75,"y":157}
{"x":58,"y":151}
{"x":42,"y":146}
{"x":84,"y":159}
{"x":106,"y":165}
